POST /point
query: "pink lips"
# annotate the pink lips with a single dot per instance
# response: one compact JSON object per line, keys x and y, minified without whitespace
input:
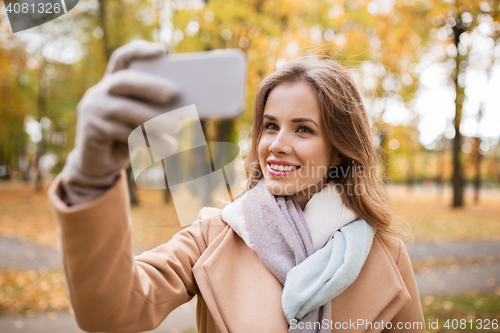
{"x":271,"y":161}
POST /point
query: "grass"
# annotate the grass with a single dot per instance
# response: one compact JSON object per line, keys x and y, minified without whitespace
{"x":470,"y":309}
{"x":30,"y":292}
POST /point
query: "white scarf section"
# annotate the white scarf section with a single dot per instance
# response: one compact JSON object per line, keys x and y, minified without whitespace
{"x":325,"y":213}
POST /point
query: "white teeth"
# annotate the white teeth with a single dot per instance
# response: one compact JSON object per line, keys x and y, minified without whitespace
{"x":280,"y":167}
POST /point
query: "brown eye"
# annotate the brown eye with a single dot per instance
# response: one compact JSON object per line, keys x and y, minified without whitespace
{"x":271,"y":126}
{"x":304,"y":129}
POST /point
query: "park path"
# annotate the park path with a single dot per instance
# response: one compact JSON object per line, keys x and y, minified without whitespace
{"x":19,"y":254}
{"x":180,"y":320}
{"x":456,"y":278}
{"x":25,"y":255}
{"x":456,"y":249}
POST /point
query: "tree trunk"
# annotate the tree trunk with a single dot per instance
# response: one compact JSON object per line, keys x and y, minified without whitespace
{"x":410,"y":176}
{"x":383,"y":154}
{"x":199,"y":166}
{"x":413,"y":153}
{"x":477,"y":169}
{"x":440,"y":162}
{"x":41,"y":112}
{"x":132,"y":187}
{"x":108,"y":50}
{"x":477,"y":157}
{"x":103,"y":24}
{"x":226,"y":133}
{"x":457,"y":178}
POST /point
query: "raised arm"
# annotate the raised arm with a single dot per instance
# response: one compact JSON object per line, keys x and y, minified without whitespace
{"x":109,"y":289}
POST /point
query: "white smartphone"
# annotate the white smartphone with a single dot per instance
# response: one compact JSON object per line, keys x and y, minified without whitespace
{"x":215,"y":81}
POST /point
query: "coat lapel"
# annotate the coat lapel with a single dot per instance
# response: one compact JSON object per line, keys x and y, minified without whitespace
{"x":244,"y":296}
{"x":378,"y":293}
{"x":242,"y":289}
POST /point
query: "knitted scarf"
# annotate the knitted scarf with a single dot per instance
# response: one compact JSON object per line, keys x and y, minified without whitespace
{"x":275,"y":227}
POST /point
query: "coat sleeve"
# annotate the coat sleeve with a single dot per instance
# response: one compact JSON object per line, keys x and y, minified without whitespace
{"x":411,"y":314}
{"x":109,"y":289}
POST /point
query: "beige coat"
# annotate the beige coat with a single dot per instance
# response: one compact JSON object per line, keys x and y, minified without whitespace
{"x":110,"y":290}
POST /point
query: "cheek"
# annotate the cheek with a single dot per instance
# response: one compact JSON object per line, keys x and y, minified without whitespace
{"x":263,"y":147}
{"x":317,"y":154}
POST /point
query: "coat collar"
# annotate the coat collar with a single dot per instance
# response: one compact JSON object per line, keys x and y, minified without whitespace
{"x":244,"y":296}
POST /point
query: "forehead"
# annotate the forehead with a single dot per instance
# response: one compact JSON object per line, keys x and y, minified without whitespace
{"x":292,"y":100}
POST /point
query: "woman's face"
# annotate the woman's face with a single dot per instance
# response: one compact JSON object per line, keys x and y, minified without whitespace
{"x":294,"y":151}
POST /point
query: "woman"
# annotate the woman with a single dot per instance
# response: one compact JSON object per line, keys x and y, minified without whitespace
{"x":297,"y":252}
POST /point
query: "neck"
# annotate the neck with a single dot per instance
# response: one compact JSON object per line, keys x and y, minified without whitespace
{"x":303,"y":197}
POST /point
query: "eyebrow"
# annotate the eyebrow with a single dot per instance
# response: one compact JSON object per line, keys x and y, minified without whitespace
{"x":294,"y":120}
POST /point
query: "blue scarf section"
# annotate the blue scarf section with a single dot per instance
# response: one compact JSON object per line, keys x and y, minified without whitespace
{"x":327,"y":272}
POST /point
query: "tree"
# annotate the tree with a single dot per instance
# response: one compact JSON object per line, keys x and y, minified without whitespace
{"x":476,"y":157}
{"x":13,"y":107}
{"x":451,"y":25}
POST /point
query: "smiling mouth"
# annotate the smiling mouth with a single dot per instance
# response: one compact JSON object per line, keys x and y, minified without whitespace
{"x":282,"y":168}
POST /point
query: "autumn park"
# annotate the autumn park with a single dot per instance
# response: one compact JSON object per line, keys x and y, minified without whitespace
{"x":429,"y":75}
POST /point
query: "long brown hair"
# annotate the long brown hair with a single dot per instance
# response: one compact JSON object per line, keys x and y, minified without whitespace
{"x":348,"y":130}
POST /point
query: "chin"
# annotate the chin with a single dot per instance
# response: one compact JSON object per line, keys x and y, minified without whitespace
{"x":280,"y":188}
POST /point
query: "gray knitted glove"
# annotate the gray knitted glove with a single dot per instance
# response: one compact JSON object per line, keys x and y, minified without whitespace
{"x":107,"y":114}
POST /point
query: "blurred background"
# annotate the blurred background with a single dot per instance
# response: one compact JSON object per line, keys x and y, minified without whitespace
{"x":429,"y":73}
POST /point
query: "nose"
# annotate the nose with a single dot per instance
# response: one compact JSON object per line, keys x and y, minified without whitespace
{"x":280,"y":144}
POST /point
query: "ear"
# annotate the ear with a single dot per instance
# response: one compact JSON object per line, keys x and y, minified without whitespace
{"x":336,"y":157}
